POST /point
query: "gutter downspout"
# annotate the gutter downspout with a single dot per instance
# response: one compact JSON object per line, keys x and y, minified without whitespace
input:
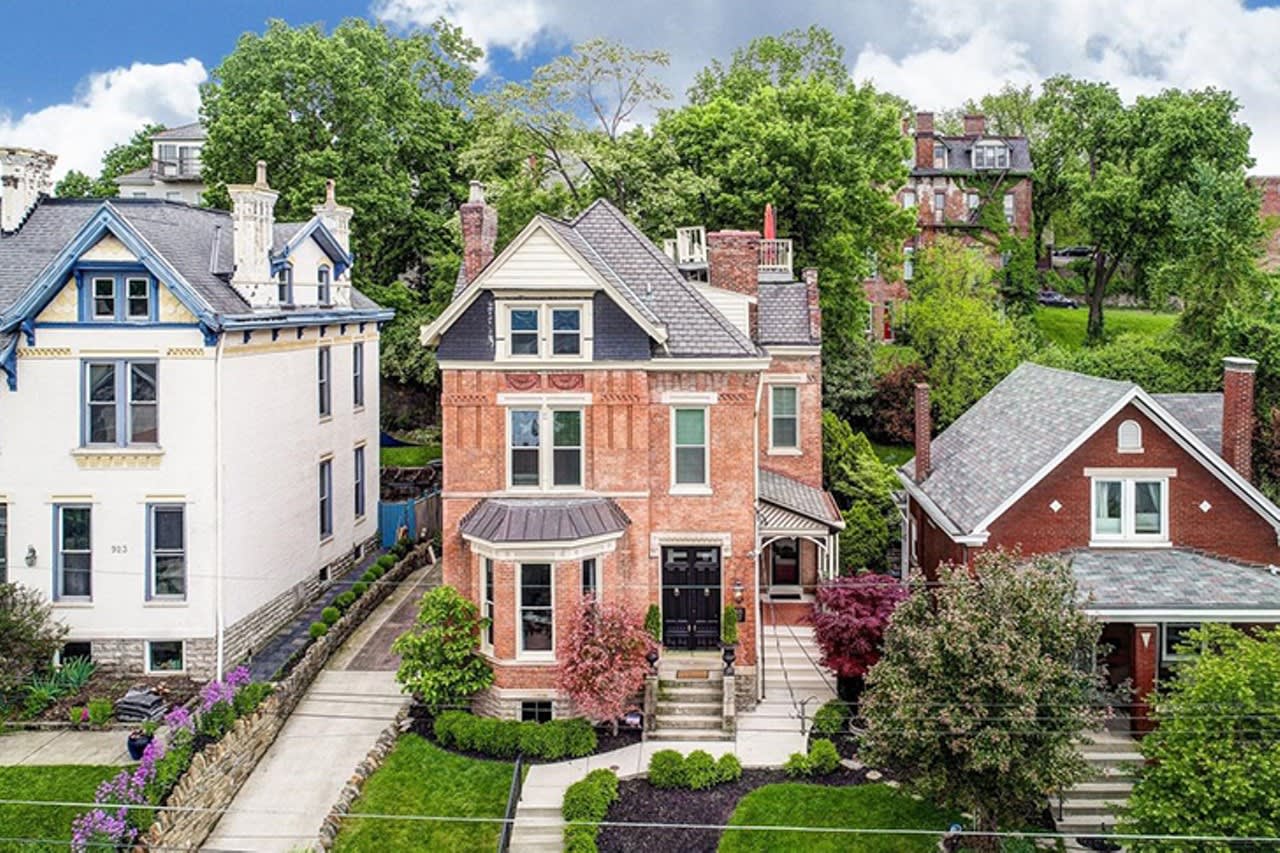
{"x":755,"y":545}
{"x":219,"y":614}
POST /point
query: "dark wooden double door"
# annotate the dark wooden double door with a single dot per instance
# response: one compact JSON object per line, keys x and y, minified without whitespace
{"x":690,"y":597}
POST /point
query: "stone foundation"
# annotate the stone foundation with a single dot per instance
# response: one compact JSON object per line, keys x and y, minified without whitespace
{"x":744,"y":688}
{"x":129,"y":657}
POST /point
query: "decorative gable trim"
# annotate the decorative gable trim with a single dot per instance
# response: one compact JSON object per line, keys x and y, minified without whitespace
{"x":431,"y":332}
{"x":317,"y":230}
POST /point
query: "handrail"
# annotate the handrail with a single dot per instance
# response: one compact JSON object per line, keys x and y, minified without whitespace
{"x":513,"y":802}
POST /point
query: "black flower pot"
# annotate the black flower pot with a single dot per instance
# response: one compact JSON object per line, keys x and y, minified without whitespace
{"x":137,"y":744}
{"x":730,"y":655}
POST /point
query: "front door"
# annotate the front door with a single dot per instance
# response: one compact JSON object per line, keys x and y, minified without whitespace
{"x":786,"y":562}
{"x":690,"y":597}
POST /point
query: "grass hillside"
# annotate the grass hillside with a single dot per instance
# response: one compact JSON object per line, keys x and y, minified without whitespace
{"x":1066,"y":327}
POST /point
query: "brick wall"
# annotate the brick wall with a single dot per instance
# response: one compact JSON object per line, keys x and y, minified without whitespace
{"x":807,"y":465}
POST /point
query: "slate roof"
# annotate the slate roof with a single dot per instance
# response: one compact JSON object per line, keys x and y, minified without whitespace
{"x":195,"y":241}
{"x":1200,"y":413}
{"x":542,"y":519}
{"x":783,"y":312}
{"x":960,"y":155}
{"x":1006,"y":437}
{"x":1170,"y":579}
{"x":799,"y":497}
{"x":283,"y":232}
{"x":194,"y":130}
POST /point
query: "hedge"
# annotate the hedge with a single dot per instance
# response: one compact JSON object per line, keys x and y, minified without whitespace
{"x":697,"y":771}
{"x":550,"y":741}
{"x":585,"y":805}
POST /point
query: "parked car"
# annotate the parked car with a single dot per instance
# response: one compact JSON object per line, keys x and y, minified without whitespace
{"x":1054,"y":299}
{"x":1074,"y":252}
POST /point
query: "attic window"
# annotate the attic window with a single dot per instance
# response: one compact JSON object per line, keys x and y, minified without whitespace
{"x":1129,"y":437}
{"x":549,"y":330}
{"x":939,"y":155}
{"x":991,"y":155}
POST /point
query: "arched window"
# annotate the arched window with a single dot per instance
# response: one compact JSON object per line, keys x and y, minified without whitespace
{"x":324,"y":296}
{"x":1129,"y":439}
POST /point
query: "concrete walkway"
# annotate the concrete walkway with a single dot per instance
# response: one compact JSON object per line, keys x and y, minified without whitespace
{"x":64,"y":746}
{"x":283,"y":803}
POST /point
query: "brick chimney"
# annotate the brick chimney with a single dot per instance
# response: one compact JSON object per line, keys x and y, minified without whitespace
{"x":975,"y":125}
{"x":924,"y":432}
{"x":811,"y":293}
{"x":1237,"y":414}
{"x":253,"y":222}
{"x":924,"y":140}
{"x":479,"y":232}
{"x":25,"y":176}
{"x":733,"y":263}
{"x":336,"y":217}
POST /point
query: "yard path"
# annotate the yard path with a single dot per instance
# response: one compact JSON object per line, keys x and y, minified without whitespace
{"x":63,"y":746}
{"x":283,"y":803}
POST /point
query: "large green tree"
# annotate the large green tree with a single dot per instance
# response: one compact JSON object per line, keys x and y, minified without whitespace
{"x":1213,"y":760}
{"x":979,"y":695}
{"x":777,"y":61}
{"x":381,"y":114}
{"x":863,"y":487}
{"x":119,"y":159}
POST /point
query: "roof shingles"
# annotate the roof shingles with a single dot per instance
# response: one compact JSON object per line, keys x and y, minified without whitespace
{"x":1170,"y":579}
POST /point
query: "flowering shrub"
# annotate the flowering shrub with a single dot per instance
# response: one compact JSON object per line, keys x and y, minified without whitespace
{"x":604,"y":664}
{"x":98,"y":830}
{"x":180,"y":719}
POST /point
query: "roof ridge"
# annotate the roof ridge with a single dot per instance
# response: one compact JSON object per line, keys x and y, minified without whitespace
{"x":665,"y":263}
{"x":628,"y":289}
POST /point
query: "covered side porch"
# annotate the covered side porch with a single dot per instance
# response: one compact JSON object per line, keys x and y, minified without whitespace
{"x":1149,"y":600}
{"x":799,"y":546}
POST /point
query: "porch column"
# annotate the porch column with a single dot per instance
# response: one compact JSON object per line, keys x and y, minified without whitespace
{"x":1146,"y":663}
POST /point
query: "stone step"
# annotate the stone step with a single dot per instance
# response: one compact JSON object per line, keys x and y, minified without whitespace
{"x":703,"y":691}
{"x":538,"y":810}
{"x":1088,"y":806}
{"x":716,"y":684}
{"x":1085,"y":824}
{"x":1101,"y":790}
{"x":688,"y":721}
{"x":700,"y":709}
{"x":1112,"y":759}
{"x":663,"y":733}
{"x":787,"y":631}
{"x":546,"y":845}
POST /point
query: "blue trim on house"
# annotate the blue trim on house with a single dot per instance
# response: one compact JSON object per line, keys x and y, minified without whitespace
{"x":150,"y":547}
{"x":9,"y":364}
{"x":316,"y":318}
{"x":123,"y":373}
{"x":114,"y":325}
{"x":315,"y":228}
{"x":86,"y":274}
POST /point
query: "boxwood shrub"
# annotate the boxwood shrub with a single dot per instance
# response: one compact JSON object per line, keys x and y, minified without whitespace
{"x":666,"y":769}
{"x":550,"y":741}
{"x":330,"y":615}
{"x":697,"y":771}
{"x":832,"y":718}
{"x":345,"y":600}
{"x":359,"y":588}
{"x":386,"y":561}
{"x":318,"y":630}
{"x":700,"y":770}
{"x":585,"y":804}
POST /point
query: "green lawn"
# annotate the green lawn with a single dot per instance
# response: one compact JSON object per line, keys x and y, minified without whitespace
{"x":858,"y":806}
{"x":893,"y":455}
{"x":1066,"y":327}
{"x":68,"y":784}
{"x":409,"y":457}
{"x":419,"y":778}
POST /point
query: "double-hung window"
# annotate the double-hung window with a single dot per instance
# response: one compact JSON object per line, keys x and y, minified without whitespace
{"x":284,"y":286}
{"x":73,"y":562}
{"x":991,"y":156}
{"x":524,"y":331}
{"x":908,"y":199}
{"x":326,"y":499}
{"x":784,"y":418}
{"x":1175,"y":639}
{"x":358,"y":464}
{"x":590,"y":577}
{"x":104,"y":298}
{"x":488,"y":610}
{"x":324,"y":289}
{"x":1008,"y":208}
{"x":324,"y":385}
{"x":120,"y":298}
{"x":537,"y":631}
{"x":554,"y":330}
{"x":121,"y":402}
{"x":939,"y":206}
{"x":1130,"y":510}
{"x":908,"y":263}
{"x":167,"y":551}
{"x":357,"y":374}
{"x":531,"y":464}
{"x":566,"y":331}
{"x":689,"y":446}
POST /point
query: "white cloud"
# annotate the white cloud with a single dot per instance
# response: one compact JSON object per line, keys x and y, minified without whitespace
{"x":109,"y":107}
{"x":934,"y":52}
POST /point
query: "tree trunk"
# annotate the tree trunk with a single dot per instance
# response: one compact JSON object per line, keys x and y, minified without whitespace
{"x":1096,"y":294}
{"x":984,"y":822}
{"x":615,"y":726}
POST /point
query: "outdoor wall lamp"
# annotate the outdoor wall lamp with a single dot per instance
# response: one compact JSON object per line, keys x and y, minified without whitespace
{"x":737,"y":591}
{"x":31,"y":556}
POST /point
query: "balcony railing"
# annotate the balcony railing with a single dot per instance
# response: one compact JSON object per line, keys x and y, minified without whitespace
{"x":775,"y":256}
{"x":689,"y":248}
{"x":186,"y":168}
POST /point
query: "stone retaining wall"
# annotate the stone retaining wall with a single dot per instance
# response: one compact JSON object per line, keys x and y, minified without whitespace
{"x":216,"y":774}
{"x":351,"y":791}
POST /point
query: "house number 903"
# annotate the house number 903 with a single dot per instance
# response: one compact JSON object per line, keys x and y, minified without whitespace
{"x":119,"y":549}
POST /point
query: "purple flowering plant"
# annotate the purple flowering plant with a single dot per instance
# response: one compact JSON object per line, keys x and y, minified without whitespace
{"x":99,"y":829}
{"x":179,"y":719}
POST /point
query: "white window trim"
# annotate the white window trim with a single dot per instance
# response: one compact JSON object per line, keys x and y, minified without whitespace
{"x":908,"y":263}
{"x":1121,"y":447}
{"x":153,"y":553}
{"x":146,"y":297}
{"x":784,"y":450}
{"x":93,"y":298}
{"x":908,"y":199}
{"x":545,"y":332}
{"x":703,"y":488}
{"x":546,"y":446}
{"x":1010,"y":207}
{"x":487,"y":605}
{"x":992,"y":150}
{"x":597,"y":590}
{"x":1174,"y":657}
{"x":1127,"y":538}
{"x":146,"y":659}
{"x":521,"y":653}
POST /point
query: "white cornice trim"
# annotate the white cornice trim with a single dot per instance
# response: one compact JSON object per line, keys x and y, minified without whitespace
{"x":552,"y":552}
{"x":1183,"y":614}
{"x":666,"y":365}
{"x":792,"y":349}
{"x":690,"y":398}
{"x":521,"y":398}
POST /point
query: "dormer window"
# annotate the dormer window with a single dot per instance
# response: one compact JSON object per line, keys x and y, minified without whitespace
{"x":550,"y":330}
{"x":939,"y":155}
{"x":324,"y":292}
{"x":104,"y":299}
{"x":1130,"y":510}
{"x":284,"y":286}
{"x":119,"y":298}
{"x":524,"y":331}
{"x":566,"y":331}
{"x":990,"y":155}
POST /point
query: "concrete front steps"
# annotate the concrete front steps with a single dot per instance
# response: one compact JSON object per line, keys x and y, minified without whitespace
{"x":793,"y":680}
{"x":690,"y":699}
{"x":539,"y":828}
{"x":1093,"y":807}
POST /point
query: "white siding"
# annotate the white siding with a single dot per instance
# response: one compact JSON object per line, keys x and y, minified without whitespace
{"x":735,"y":307}
{"x":540,"y":263}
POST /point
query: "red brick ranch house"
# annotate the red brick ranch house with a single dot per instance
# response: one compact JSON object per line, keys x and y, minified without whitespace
{"x":642,"y":426}
{"x":1147,"y":496}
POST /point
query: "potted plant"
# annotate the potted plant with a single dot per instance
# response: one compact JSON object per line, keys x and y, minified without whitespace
{"x":139,"y":739}
{"x":729,"y":637}
{"x":653,"y":627}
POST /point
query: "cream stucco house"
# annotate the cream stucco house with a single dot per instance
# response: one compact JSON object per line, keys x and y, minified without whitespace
{"x":188,"y":415}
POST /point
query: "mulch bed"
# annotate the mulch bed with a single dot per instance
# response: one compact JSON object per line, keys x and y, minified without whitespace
{"x":640,"y":802}
{"x":422,"y":721}
{"x":175,"y":690}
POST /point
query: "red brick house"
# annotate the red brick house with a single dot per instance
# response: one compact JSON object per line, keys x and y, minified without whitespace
{"x":1269,"y":209}
{"x":613,"y":425}
{"x":950,"y":178}
{"x":1147,"y":496}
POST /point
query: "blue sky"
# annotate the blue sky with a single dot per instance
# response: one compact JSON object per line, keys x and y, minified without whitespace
{"x":80,"y":77}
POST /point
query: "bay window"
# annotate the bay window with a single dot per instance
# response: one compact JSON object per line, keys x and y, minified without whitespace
{"x":487,"y":610}
{"x":590,"y":577}
{"x":536,"y":608}
{"x":1130,"y":510}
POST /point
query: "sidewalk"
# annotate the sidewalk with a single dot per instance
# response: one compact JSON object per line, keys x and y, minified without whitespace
{"x":63,"y":746}
{"x":283,"y":803}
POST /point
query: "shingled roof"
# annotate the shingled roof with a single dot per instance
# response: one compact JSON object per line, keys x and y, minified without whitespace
{"x":1172,"y":579}
{"x":784,"y":314}
{"x":960,"y":155}
{"x":791,"y":494}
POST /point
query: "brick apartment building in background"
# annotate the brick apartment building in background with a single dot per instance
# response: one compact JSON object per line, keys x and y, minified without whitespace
{"x":951,"y":177}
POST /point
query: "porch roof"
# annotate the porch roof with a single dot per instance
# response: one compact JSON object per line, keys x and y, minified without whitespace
{"x":1170,"y":580}
{"x":504,"y":520}
{"x":774,"y":520}
{"x":800,"y":498}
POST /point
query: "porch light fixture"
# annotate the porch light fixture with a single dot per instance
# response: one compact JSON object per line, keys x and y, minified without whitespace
{"x":737,"y":591}
{"x":31,"y":556}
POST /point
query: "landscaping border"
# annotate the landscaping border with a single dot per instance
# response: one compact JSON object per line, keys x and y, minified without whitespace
{"x":383,"y":747}
{"x":216,"y":773}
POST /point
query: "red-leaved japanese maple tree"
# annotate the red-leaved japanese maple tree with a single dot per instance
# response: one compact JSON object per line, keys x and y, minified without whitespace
{"x":850,"y":615}
{"x":603,"y":665}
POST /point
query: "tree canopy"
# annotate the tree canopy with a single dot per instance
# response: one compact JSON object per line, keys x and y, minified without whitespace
{"x":119,"y":159}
